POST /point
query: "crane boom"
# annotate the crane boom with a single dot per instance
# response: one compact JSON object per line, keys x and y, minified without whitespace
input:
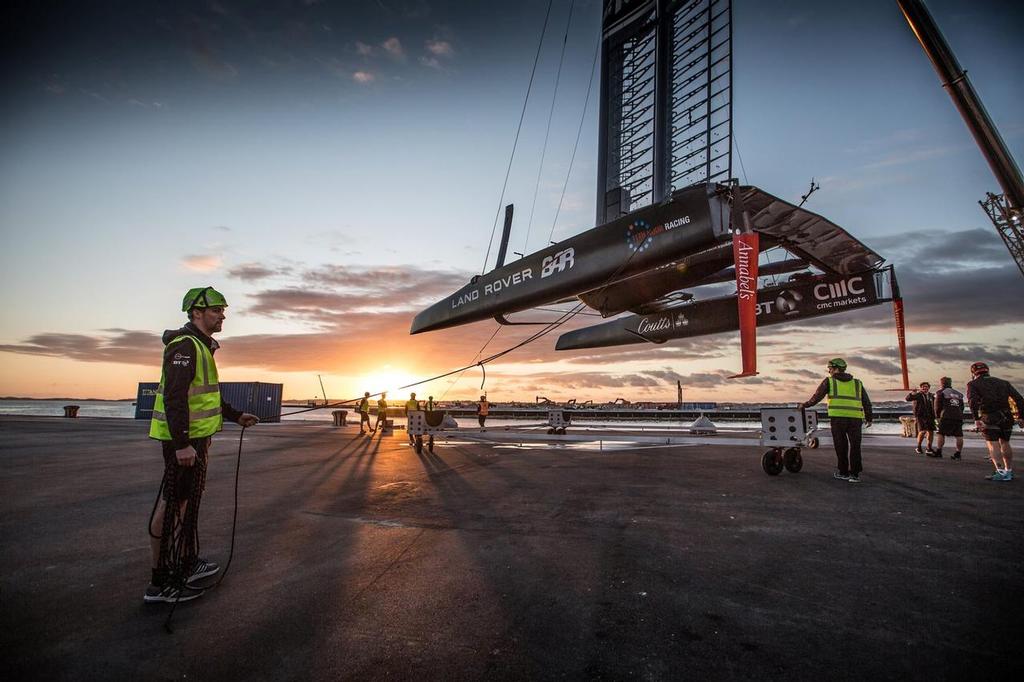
{"x":1005,"y":211}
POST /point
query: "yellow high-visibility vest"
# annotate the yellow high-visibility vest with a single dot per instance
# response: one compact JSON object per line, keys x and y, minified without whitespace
{"x":844,"y":398}
{"x":204,"y":414}
{"x":412,"y":405}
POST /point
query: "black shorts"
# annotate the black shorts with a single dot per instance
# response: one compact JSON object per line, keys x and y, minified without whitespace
{"x":951,"y":427}
{"x":925,"y":424}
{"x":184,"y":477}
{"x":364,"y":417}
{"x":999,"y":431}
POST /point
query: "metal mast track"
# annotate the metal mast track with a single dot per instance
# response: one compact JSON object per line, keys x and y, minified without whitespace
{"x":666,"y":100}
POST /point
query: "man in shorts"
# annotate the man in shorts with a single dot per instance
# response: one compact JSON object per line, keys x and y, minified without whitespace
{"x":924,"y":416}
{"x":949,"y":408}
{"x":989,"y":399}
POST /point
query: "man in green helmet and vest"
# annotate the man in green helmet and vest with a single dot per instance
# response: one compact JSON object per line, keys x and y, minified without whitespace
{"x":849,"y":408}
{"x":188,"y":411}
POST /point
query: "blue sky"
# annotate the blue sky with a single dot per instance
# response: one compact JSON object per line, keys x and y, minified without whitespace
{"x":334,"y":166}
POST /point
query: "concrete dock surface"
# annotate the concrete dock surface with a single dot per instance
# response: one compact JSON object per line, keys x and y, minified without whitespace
{"x":356,"y":558}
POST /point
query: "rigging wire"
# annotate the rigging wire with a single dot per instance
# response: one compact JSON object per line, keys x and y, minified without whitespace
{"x":547,"y":131}
{"x":736,"y":143}
{"x":515,"y":142}
{"x":579,"y":131}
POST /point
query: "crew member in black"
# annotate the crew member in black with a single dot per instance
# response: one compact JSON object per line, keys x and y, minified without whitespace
{"x":949,"y":408}
{"x":989,"y":399}
{"x":924,"y":415}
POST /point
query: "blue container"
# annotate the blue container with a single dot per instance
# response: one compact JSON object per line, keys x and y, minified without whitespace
{"x":254,"y":397}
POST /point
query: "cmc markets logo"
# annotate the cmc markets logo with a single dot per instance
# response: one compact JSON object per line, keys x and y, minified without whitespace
{"x":559,"y":262}
{"x":847,"y":287}
{"x":638,"y":235}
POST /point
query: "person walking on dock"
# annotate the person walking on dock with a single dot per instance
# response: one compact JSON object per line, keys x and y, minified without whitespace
{"x":924,"y":416}
{"x":188,"y":410}
{"x":989,"y":399}
{"x":382,"y":414}
{"x":364,"y":413}
{"x":949,"y":408}
{"x":411,"y":405}
{"x":483,"y":408}
{"x":430,"y":404}
{"x":849,"y":408}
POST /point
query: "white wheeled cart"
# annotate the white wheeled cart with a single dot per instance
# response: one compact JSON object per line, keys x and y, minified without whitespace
{"x":786,"y":430}
{"x":423,"y":423}
{"x":558,"y":421}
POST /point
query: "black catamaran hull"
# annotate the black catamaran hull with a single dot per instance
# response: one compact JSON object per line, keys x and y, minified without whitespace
{"x":693,"y":220}
{"x":822,"y":295}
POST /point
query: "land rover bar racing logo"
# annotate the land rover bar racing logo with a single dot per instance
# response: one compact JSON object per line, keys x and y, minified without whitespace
{"x":563,"y":260}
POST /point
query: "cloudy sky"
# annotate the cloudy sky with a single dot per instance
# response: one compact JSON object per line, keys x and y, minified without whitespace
{"x":333,"y":167}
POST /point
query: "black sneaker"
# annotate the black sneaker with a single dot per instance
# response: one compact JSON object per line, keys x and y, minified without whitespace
{"x":840,"y":476}
{"x":930,"y":452}
{"x":854,"y":478}
{"x":168,"y":594}
{"x":202,"y":569}
{"x":918,"y":450}
{"x":955,"y":455}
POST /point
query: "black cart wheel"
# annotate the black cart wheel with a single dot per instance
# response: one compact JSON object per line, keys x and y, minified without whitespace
{"x":793,"y":460}
{"x":550,"y":431}
{"x":560,"y":431}
{"x":430,"y":445}
{"x":419,"y":444}
{"x":813,"y":443}
{"x":771,"y":462}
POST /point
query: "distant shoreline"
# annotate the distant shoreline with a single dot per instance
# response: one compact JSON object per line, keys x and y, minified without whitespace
{"x":91,"y":400}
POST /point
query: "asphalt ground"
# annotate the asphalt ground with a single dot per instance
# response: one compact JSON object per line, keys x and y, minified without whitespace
{"x":359,"y":559}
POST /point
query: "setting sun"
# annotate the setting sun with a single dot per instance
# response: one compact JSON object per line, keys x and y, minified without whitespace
{"x":389,"y":380}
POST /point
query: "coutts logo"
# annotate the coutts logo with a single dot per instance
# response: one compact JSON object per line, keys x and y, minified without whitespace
{"x":659,"y":324}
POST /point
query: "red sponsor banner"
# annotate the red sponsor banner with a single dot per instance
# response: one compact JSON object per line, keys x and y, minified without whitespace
{"x":745,"y":252}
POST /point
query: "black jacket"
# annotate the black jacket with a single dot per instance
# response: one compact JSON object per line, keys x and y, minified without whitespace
{"x":822,"y":391}
{"x":923,"y":405}
{"x":179,"y":369}
{"x":988,"y":396}
{"x":949,"y":404}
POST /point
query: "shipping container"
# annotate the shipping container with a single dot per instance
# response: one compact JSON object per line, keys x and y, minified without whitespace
{"x":254,"y":397}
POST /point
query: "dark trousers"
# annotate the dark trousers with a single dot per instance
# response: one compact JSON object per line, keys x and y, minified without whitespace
{"x":846,"y":438}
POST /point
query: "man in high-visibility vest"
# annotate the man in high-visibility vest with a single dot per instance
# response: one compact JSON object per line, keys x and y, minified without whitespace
{"x":411,"y":405}
{"x":849,"y":408}
{"x":187,"y":412}
{"x":382,"y":414}
{"x":483,"y":408}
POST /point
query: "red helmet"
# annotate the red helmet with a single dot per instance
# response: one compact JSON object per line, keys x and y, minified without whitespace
{"x":979,"y":368}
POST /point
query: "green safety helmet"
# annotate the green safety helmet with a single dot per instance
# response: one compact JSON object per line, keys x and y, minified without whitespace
{"x":838,"y":363}
{"x":202,"y":297}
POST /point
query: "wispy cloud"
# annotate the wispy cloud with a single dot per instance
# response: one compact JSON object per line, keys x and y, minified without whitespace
{"x":440,"y":48}
{"x":201,"y":263}
{"x":363,"y":77}
{"x":393,"y":46}
{"x":252,"y":272}
{"x":363,"y":49}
